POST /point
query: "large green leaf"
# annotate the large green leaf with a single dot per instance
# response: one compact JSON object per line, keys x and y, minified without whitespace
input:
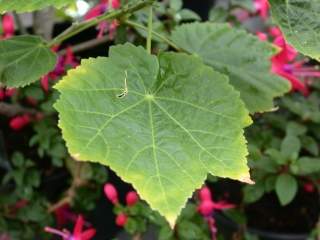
{"x":300,"y":22}
{"x":175,"y":124}
{"x":244,"y":58}
{"x":30,"y":5}
{"x":23,"y":60}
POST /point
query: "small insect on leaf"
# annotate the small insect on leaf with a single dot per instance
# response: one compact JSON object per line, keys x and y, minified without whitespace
{"x":125,"y":90}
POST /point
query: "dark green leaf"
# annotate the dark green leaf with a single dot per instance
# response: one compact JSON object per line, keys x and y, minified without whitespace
{"x":241,"y":56}
{"x":300,"y":22}
{"x":163,"y":127}
{"x":286,"y":188}
{"x":30,"y":5}
{"x":23,"y":60}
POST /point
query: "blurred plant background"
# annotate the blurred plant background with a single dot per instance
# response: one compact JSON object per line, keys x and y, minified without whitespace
{"x":44,"y":190}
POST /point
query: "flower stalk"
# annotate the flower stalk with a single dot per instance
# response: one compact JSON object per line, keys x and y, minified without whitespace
{"x":79,"y":27}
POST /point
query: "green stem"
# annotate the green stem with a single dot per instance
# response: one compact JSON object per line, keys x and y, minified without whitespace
{"x":79,"y":27}
{"x":150,"y":30}
{"x":156,"y":34}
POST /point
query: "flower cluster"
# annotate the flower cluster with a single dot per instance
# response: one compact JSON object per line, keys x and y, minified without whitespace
{"x":112,"y":195}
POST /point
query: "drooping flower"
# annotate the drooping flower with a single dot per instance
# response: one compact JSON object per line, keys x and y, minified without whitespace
{"x":121,"y":219}
{"x":207,"y":206}
{"x":285,"y":64}
{"x":63,"y":64}
{"x":8,"y":26}
{"x":111,"y":193}
{"x":63,"y":215}
{"x":132,"y":198}
{"x":104,"y":26}
{"x":262,"y":8}
{"x":77,"y":234}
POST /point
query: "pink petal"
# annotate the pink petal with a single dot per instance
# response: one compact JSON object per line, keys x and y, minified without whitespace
{"x":78,"y":227}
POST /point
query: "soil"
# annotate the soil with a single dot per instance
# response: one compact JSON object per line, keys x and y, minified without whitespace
{"x":298,"y":217}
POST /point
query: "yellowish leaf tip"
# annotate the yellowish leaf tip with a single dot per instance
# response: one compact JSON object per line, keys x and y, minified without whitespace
{"x":246,"y":179}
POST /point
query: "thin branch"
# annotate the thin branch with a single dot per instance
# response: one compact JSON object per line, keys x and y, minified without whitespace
{"x":86,"y":45}
{"x":156,"y":34}
{"x":11,"y":110}
{"x":71,"y":192}
{"x":149,"y":37}
{"x":79,"y":27}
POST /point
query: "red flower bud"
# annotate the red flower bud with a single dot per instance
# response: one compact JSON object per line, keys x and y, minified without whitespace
{"x":19,"y":122}
{"x":204,"y":194}
{"x":308,"y":187}
{"x":206,"y":208}
{"x":121,"y":219}
{"x":8,"y":25}
{"x":111,"y":193}
{"x":45,"y":82}
{"x":132,"y":198}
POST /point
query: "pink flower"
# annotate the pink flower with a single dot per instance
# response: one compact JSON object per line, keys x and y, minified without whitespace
{"x":121,"y":219}
{"x":100,"y":9}
{"x":70,"y":59}
{"x":64,"y":214}
{"x":63,"y":63}
{"x":96,"y":11}
{"x":78,"y":233}
{"x":45,"y":82}
{"x":8,"y":27}
{"x":262,"y":8}
{"x":19,"y":122}
{"x":275,"y":32}
{"x":132,"y":198}
{"x":262,"y":36}
{"x":207,"y":205}
{"x":204,"y":194}
{"x":284,"y":65}
{"x":111,"y":193}
{"x":241,"y":14}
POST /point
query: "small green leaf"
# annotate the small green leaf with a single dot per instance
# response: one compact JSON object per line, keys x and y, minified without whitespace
{"x":290,"y":147}
{"x":30,"y":5}
{"x":175,"y":4}
{"x":300,"y":22}
{"x":253,"y":193}
{"x":162,"y":123}
{"x":18,"y":159}
{"x":276,"y":156}
{"x":241,"y":56}
{"x":186,"y":14}
{"x":310,"y":144}
{"x":307,"y":165}
{"x":23,"y":60}
{"x":295,"y":129}
{"x":286,"y":188}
